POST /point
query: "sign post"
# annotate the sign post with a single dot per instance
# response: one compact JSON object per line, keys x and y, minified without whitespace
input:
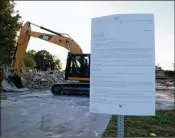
{"x":122,"y":70}
{"x":120,"y":126}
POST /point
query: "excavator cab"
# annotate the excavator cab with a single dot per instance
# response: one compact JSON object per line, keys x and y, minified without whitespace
{"x":78,"y":67}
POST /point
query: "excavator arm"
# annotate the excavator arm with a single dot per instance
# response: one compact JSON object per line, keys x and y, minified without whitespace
{"x":24,"y":38}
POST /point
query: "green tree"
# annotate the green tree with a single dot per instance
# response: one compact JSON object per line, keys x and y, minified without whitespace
{"x":31,"y":52}
{"x":29,"y":60}
{"x":57,"y":63}
{"x":170,"y":73}
{"x":45,"y":60}
{"x":10,"y":24}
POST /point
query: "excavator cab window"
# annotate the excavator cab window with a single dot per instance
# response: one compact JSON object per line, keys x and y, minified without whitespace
{"x":75,"y":65}
{"x":78,"y":65}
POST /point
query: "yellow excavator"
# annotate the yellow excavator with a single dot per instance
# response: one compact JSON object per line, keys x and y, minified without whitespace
{"x":77,"y":67}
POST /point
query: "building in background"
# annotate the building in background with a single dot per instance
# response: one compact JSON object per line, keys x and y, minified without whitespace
{"x":160,"y":76}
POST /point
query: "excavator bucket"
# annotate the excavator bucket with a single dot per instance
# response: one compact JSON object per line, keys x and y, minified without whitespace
{"x":17,"y":81}
{"x":11,"y":82}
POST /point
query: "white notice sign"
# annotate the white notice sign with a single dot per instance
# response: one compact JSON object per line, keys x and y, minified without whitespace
{"x":122,"y":78}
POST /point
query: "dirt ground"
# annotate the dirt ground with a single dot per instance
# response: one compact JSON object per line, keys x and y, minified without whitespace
{"x":41,"y":114}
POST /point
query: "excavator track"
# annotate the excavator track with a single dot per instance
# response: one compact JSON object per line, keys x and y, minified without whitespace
{"x":71,"y":89}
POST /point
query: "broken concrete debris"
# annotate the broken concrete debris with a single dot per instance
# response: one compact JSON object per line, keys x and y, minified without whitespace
{"x":44,"y":79}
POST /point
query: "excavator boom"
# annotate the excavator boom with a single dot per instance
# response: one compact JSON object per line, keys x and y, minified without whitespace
{"x":24,"y":38}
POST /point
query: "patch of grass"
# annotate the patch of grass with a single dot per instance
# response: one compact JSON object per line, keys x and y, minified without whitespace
{"x":163,"y":125}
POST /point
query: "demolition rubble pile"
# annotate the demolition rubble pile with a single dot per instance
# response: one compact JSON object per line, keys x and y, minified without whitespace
{"x":44,"y":79}
{"x":36,"y":80}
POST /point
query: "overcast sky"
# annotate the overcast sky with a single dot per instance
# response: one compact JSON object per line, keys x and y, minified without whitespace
{"x":74,"y":18}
